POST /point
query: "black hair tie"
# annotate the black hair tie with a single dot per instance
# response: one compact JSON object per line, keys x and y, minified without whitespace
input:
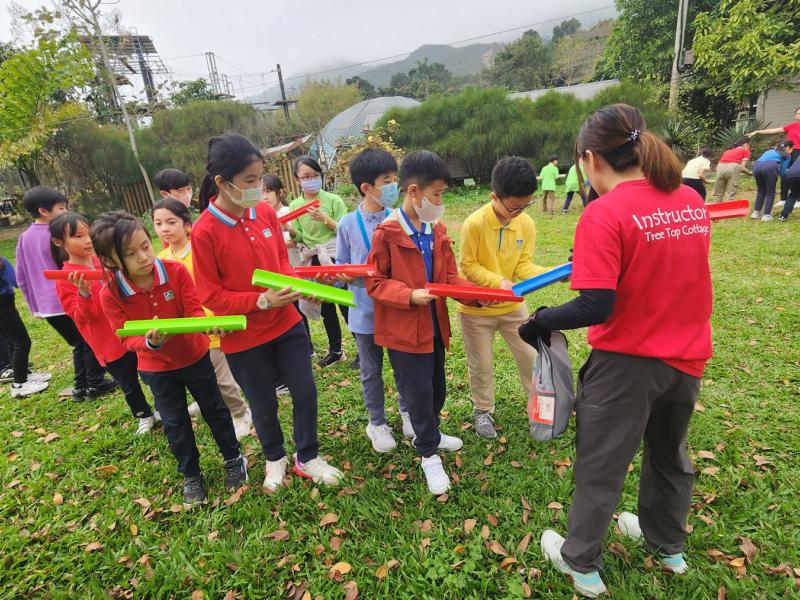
{"x":633,"y":137}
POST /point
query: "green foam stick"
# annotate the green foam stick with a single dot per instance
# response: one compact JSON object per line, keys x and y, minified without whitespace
{"x":312,"y":289}
{"x":184,"y":325}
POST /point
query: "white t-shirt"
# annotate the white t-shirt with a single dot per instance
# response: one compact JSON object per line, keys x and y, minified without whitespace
{"x":694,"y":166}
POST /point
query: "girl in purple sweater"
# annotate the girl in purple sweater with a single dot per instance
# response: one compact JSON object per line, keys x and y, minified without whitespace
{"x":33,"y":258}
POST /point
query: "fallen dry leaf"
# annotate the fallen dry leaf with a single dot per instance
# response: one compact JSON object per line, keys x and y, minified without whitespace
{"x":442,"y":499}
{"x":198,"y":595}
{"x":425,"y":526}
{"x":492,"y":520}
{"x":722,"y":594}
{"x":93,"y":547}
{"x":497,"y":548}
{"x":17,"y":434}
{"x":485,"y":532}
{"x":555,"y":505}
{"x":710,"y":471}
{"x":50,"y":437}
{"x":706,"y":454}
{"x":335,"y":543}
{"x":619,"y":550}
{"x":737,"y":562}
{"x":58,"y":499}
{"x":488,"y":460}
{"x":469,"y":525}
{"x":508,"y":562}
{"x":749,"y":549}
{"x":279,"y":535}
{"x":143,"y":502}
{"x":522,"y":547}
{"x":134,"y":530}
{"x":328,"y":519}
{"x":213,"y":535}
{"x":425,"y":543}
{"x":352,"y":590}
{"x":342,"y":568}
{"x":526,"y":590}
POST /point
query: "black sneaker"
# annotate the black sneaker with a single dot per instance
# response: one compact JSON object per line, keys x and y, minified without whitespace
{"x":235,"y":473}
{"x":782,"y":218}
{"x":79,"y":395}
{"x":355,"y":364}
{"x":7,"y":375}
{"x":330,"y":359}
{"x":194,"y":490}
{"x":281,"y":389}
{"x":108,"y":386}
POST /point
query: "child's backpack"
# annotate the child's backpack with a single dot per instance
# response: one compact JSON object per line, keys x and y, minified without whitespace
{"x":553,"y":397}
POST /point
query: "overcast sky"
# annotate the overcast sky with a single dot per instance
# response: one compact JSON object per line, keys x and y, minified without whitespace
{"x":250,"y":37}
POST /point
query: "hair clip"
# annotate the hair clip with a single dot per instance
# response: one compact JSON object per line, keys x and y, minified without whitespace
{"x":634,"y":136}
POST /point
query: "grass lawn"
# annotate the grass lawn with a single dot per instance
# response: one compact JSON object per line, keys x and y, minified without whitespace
{"x":89,"y":510}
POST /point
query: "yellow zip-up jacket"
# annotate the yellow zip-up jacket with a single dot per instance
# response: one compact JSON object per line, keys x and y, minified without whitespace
{"x":491,"y":252}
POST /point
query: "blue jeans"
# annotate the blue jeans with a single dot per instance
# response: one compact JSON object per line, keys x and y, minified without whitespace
{"x":169,"y":390}
{"x":371,"y":364}
{"x":766,"y":176}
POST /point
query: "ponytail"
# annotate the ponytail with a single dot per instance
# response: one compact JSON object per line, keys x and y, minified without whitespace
{"x":617,"y":132}
{"x":208,"y":189}
{"x":659,"y":164}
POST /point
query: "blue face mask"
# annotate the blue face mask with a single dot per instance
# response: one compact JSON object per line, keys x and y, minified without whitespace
{"x":312,"y":186}
{"x":389,"y":194}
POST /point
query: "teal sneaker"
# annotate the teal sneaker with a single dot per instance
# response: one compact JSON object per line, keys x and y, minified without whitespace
{"x":588,"y":584}
{"x":628,"y":524}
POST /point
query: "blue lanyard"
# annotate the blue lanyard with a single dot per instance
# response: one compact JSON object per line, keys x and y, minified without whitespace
{"x":363,"y":229}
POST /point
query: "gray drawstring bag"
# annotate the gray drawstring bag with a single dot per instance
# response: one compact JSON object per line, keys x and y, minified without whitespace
{"x":553,"y":396}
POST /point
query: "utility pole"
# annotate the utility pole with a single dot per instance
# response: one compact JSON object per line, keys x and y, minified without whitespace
{"x":283,"y":94}
{"x":680,"y":32}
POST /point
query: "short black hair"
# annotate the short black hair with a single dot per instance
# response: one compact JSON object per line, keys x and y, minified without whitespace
{"x":423,"y":167}
{"x":786,"y":144}
{"x":307,"y":161}
{"x":513,"y":176}
{"x":552,"y":157}
{"x":706,"y":152}
{"x":171,"y":179}
{"x":176,"y":207}
{"x":271,"y":183}
{"x":370,"y":164}
{"x":42,"y":197}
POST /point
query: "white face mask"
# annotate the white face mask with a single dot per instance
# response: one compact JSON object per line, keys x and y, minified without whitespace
{"x":429,"y":212}
{"x":185,"y":199}
{"x":250,"y":196}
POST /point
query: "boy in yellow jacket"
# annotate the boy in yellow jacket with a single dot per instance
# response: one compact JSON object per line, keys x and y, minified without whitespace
{"x":497,"y":246}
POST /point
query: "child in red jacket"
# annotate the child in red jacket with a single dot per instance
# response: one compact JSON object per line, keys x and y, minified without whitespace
{"x":72,"y":250}
{"x":146,"y":288}
{"x":409,"y":249}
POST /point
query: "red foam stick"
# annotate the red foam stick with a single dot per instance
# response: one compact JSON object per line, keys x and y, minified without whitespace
{"x":333,"y":270}
{"x":298,"y":212}
{"x":728,"y":210}
{"x":467,"y":292}
{"x":95,"y":275}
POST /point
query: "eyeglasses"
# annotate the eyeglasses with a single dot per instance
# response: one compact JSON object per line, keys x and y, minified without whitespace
{"x":515,"y":210}
{"x":309,"y":177}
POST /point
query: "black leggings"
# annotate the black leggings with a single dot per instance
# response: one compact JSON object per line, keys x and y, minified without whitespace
{"x":125,"y":373}
{"x":88,"y":372}
{"x":794,"y":193}
{"x":697,"y":185}
{"x":15,"y":332}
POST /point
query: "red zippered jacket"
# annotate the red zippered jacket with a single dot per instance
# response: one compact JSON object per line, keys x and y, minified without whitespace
{"x":400,"y":269}
{"x":88,"y":315}
{"x":172,"y":296}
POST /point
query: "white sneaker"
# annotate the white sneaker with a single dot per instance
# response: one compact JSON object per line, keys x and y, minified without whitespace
{"x":588,"y":584}
{"x":756,"y":214}
{"x":40,"y":376}
{"x":275,"y":470}
{"x":450,"y":443}
{"x":629,"y":526}
{"x":435,"y":475}
{"x":145,"y":424}
{"x":318,"y":471}
{"x":766,"y":218}
{"x":408,"y":428}
{"x":242,"y":424}
{"x":194,"y":409}
{"x":381,"y":438}
{"x":20,"y":390}
{"x":157,"y":416}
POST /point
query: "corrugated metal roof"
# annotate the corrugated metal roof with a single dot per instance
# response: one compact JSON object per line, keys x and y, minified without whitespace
{"x":350,"y":123}
{"x":582,"y":91}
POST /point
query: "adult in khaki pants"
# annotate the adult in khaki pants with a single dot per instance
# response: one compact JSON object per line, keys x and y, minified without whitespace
{"x":732,"y":162}
{"x":497,"y":245}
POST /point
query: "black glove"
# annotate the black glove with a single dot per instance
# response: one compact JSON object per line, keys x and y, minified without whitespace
{"x":530,"y":331}
{"x":569,"y":260}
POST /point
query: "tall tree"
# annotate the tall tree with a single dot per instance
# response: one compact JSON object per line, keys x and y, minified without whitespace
{"x":36,"y":89}
{"x":365,"y":87}
{"x":522,"y":65}
{"x":749,"y":46}
{"x":320,"y":101}
{"x":566,"y":28}
{"x":196,"y":89}
{"x":641,"y":47}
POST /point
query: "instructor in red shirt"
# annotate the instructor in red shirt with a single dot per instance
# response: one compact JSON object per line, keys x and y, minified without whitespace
{"x":792,"y":131}
{"x":641,"y":269}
